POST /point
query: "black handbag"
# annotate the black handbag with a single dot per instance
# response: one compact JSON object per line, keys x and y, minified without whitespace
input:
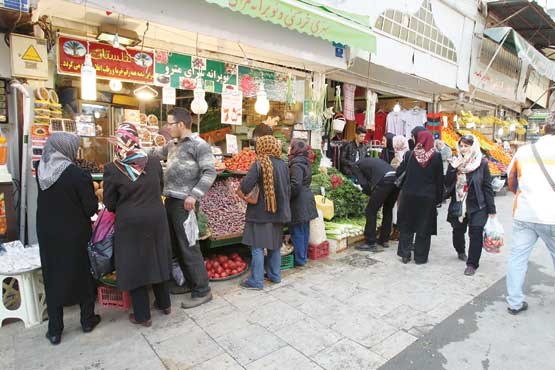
{"x":101,"y":254}
{"x":454,"y":212}
{"x":400,"y":180}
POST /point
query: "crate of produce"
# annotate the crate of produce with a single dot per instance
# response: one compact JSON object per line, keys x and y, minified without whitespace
{"x":111,"y":297}
{"x":338,"y":246}
{"x":315,"y":252}
{"x":287,"y":262}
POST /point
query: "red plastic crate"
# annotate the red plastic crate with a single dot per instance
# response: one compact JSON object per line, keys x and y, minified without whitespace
{"x":315,"y":252}
{"x":111,"y":297}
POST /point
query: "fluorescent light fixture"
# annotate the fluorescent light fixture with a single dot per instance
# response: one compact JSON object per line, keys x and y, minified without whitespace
{"x":145,"y":93}
{"x":88,"y":79}
{"x":117,"y":37}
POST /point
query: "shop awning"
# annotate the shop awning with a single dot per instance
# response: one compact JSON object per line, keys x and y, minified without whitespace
{"x":524,"y":50}
{"x":311,"y":18}
{"x":528,"y":18}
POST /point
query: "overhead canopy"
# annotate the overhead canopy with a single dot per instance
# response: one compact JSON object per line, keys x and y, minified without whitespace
{"x":524,"y":50}
{"x":309,"y":17}
{"x":528,"y":18}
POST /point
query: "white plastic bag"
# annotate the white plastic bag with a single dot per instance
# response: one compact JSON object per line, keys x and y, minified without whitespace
{"x":191,"y":228}
{"x":317,"y":230}
{"x":493,"y":235}
{"x":177,"y":273}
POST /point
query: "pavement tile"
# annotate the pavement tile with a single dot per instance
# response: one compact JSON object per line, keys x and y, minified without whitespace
{"x":362,"y":328}
{"x":405,"y":317}
{"x":284,"y":358}
{"x":250,"y":343}
{"x":246,"y":299}
{"x":165,"y":327}
{"x":221,"y":362}
{"x":275,"y":316}
{"x":309,"y":336}
{"x":295,"y":294}
{"x":394,"y":344}
{"x":188,"y":349}
{"x":347,"y":354}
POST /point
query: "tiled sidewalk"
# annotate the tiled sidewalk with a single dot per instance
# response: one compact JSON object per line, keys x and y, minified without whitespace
{"x":353,"y":310}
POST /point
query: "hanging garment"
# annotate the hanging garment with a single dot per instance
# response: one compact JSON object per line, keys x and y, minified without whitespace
{"x":349,"y":111}
{"x":395,"y":123}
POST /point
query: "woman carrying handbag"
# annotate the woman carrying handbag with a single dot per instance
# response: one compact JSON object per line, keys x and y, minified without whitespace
{"x":266,"y":213}
{"x":468,"y":182}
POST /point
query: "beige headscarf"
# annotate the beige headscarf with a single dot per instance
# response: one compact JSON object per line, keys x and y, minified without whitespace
{"x":267,"y":146}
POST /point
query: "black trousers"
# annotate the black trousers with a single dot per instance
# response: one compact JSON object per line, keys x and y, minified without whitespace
{"x":421,"y":246}
{"x":190,"y":258}
{"x":141,"y":301}
{"x":476,"y":235}
{"x":384,"y":195}
{"x":56,"y":316}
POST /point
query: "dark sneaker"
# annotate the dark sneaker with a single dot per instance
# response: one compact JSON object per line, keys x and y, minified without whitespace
{"x":470,"y":271}
{"x":244,"y":284}
{"x":463,"y":257}
{"x":191,"y":302}
{"x":94,"y":322}
{"x":405,"y":260}
{"x":512,"y":311}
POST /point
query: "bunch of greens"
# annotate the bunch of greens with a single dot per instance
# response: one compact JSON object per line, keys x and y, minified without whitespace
{"x":318,"y":181}
{"x":348,"y":201}
{"x":317,"y":159}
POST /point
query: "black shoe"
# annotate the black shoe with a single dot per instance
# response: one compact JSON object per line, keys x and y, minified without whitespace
{"x":54,"y":339}
{"x":463,"y":257}
{"x":512,"y":311}
{"x":470,"y":270}
{"x":420,"y":262}
{"x":405,"y":260}
{"x":90,"y":326}
{"x":369,"y":248}
{"x":184,"y":289}
{"x":385,"y":245}
{"x":245,"y":285}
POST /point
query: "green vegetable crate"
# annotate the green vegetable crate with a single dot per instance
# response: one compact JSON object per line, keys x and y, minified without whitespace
{"x":287,"y":262}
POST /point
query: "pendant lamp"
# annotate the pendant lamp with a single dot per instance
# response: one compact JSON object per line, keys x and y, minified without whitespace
{"x":199,"y":104}
{"x":262,"y":105}
{"x":88,"y":79}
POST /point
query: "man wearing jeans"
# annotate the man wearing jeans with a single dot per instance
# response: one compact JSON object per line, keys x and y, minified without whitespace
{"x":190,"y":173}
{"x":533,"y":212}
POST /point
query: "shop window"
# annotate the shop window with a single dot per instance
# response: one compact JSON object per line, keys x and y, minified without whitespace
{"x":418,"y":29}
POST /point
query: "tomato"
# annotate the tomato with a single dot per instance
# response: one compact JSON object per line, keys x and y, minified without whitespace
{"x":225,"y":265}
{"x":216,"y":276}
{"x":228,"y":271}
{"x":220,"y":270}
{"x":223,"y":275}
{"x":234,"y":272}
{"x":234,"y":255}
{"x":222,"y":259}
{"x":231,"y":265}
{"x":215,"y":264}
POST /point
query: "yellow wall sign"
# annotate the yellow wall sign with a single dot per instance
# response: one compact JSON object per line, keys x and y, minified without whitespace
{"x":29,"y":57}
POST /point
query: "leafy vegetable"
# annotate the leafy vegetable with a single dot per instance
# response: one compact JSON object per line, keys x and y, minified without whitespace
{"x":348,"y":201}
{"x":317,"y":159}
{"x":318,"y":181}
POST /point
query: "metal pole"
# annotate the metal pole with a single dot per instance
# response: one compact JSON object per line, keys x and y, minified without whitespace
{"x":17,"y":86}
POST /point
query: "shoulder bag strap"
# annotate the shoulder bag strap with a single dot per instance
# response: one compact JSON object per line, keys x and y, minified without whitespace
{"x":542,"y":166}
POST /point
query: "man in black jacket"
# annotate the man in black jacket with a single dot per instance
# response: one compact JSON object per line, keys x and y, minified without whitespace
{"x":353,"y":152}
{"x":377,"y":179}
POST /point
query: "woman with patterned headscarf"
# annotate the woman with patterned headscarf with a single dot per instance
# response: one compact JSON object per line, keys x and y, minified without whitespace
{"x":303,"y":206}
{"x":421,"y":193}
{"x":66,"y":203}
{"x":132,"y":189}
{"x":264,"y":221}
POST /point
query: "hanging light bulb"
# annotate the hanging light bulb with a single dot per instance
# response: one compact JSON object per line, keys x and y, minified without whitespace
{"x":199,"y":104}
{"x":397,"y":107}
{"x":512,"y":127}
{"x":500,"y":132}
{"x":262,"y":105}
{"x":115,"y":42}
{"x":88,"y":79}
{"x":115,"y":85}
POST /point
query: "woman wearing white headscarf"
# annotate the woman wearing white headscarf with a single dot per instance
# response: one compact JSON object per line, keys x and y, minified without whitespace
{"x":468,"y":181}
{"x":66,"y":202}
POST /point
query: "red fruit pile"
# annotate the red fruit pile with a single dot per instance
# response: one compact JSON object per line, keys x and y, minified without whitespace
{"x":336,"y":181}
{"x":221,"y":267}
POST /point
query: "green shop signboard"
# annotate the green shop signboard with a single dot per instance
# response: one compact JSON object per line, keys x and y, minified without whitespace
{"x":180,"y":71}
{"x":275,"y":83}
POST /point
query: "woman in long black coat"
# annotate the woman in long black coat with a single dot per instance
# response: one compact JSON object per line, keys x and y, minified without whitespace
{"x":303,"y":206}
{"x":133,"y":186}
{"x":66,"y":203}
{"x":421,"y":192}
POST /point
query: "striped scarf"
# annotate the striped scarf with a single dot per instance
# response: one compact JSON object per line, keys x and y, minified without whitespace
{"x":130,"y":159}
{"x":267,"y":146}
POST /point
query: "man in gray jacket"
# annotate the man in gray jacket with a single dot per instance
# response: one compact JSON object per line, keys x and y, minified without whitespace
{"x":190,"y":173}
